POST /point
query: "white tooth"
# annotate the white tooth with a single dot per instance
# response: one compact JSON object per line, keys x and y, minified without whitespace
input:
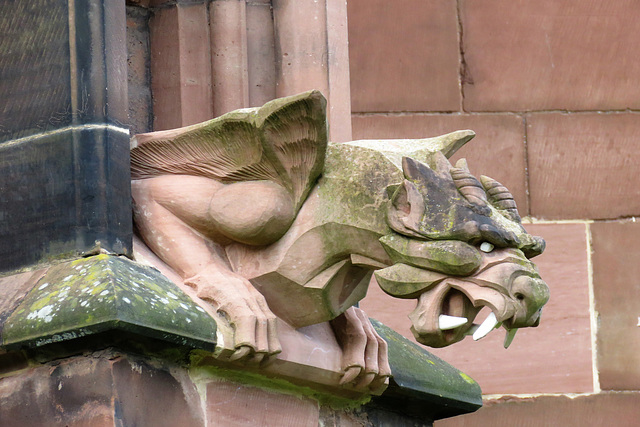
{"x":511,"y":333}
{"x":450,"y":322}
{"x":486,"y":247}
{"x":487,"y":326}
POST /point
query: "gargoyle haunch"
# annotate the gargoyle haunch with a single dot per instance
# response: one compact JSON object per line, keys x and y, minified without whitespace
{"x":258,"y":213}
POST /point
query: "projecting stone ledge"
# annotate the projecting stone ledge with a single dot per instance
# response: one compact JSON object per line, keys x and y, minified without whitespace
{"x":423,"y":384}
{"x":91,"y":304}
{"x":103,"y":294}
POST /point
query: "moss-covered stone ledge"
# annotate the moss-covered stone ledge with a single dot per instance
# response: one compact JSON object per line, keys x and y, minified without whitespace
{"x":108,"y":301}
{"x":106,"y":293}
{"x":423,"y":384}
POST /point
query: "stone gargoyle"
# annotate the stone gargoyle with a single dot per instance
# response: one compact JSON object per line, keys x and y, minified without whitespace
{"x":263,"y":218}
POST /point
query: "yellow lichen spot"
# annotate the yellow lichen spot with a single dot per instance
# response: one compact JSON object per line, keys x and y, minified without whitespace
{"x":467,"y":378}
{"x":37,"y":305}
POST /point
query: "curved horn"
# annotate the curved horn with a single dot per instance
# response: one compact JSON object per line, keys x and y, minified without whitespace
{"x":500,"y":197}
{"x":468,"y":185}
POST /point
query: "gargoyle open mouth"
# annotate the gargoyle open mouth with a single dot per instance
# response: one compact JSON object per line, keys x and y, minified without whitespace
{"x":451,"y":318}
{"x":506,"y":284}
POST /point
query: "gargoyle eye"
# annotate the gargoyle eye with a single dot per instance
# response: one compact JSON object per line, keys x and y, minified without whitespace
{"x":486,"y":247}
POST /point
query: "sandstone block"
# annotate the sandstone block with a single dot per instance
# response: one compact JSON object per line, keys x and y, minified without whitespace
{"x":615,"y":409}
{"x":396,"y":47}
{"x":257,"y":407}
{"x":617,"y":292}
{"x":583,"y":165}
{"x":550,"y":55}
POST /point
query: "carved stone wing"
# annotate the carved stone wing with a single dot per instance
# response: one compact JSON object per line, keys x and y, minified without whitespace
{"x":284,"y":141}
{"x":295,"y":134}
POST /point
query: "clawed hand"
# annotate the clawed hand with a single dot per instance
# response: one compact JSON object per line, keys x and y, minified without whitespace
{"x":255,"y":335}
{"x":364,"y":352}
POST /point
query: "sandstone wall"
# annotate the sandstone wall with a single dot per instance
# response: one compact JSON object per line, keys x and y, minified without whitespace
{"x":551,"y":89}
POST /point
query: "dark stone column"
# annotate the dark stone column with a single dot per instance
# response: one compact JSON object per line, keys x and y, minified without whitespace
{"x":64,"y":143}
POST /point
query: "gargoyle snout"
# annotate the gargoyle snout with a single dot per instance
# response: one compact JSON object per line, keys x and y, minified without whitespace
{"x":530,"y":293}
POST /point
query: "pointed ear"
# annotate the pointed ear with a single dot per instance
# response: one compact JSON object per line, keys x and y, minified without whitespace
{"x":406,"y":209}
{"x":409,"y":200}
{"x":412,"y":169}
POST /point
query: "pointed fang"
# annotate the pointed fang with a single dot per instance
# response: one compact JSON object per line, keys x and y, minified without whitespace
{"x":487,"y":326}
{"x":450,"y":322}
{"x":511,"y":333}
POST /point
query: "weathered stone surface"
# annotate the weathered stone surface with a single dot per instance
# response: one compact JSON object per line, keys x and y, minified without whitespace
{"x":550,"y":55}
{"x":449,"y":256}
{"x":312,"y":53}
{"x":498,"y":150}
{"x":14,"y":288}
{"x":376,"y":417}
{"x":112,"y":388}
{"x":300,"y":29}
{"x":75,"y":392}
{"x":583,"y":165}
{"x":257,"y":407}
{"x":12,"y":361}
{"x":34,"y":68}
{"x":617,"y":292}
{"x":261,"y":49}
{"x":57,"y":207}
{"x":103,"y":389}
{"x":396,"y":47}
{"x":370,"y":416}
{"x":229,"y":60}
{"x":146,"y":395}
{"x":603,"y":409}
{"x":338,"y":74}
{"x":103,"y":293}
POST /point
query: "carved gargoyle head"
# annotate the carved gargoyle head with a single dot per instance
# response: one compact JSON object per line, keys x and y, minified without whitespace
{"x":458,"y":246}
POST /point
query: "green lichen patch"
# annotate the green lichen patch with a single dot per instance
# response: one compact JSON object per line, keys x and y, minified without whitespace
{"x":102,"y":293}
{"x":421,"y":375}
{"x":356,"y":177}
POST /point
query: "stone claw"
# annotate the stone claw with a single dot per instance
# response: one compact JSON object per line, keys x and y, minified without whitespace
{"x":350,"y":374}
{"x":364,"y":353}
{"x":254,"y":325}
{"x":240,"y":353}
